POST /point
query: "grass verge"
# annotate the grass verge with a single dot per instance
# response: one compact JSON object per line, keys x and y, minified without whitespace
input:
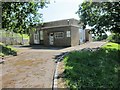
{"x":93,"y":69}
{"x":111,"y":45}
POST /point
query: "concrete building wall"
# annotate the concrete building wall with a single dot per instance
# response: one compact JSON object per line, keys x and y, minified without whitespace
{"x":59,"y":23}
{"x":65,"y":41}
{"x":71,"y":25}
{"x":45,"y":38}
{"x":75,"y":22}
{"x":31,"y":37}
{"x":75,"y":37}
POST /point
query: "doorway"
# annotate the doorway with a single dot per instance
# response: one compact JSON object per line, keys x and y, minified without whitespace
{"x":36,"y":37}
{"x":51,"y":38}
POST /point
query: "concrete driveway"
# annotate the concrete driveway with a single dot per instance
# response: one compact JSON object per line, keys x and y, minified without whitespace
{"x":34,"y":68}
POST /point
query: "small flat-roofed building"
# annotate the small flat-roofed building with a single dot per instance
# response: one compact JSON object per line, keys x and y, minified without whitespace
{"x":66,"y":32}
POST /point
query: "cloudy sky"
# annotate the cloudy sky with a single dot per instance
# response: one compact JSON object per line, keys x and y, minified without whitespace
{"x":61,"y":9}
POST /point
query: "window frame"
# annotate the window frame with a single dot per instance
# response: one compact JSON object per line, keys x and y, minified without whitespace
{"x":59,"y":35}
{"x":68,"y":33}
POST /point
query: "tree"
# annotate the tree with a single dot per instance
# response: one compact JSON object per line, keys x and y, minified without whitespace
{"x":101,"y":16}
{"x":21,"y":16}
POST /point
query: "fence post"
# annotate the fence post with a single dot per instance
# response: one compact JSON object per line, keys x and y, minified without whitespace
{"x":0,"y":14}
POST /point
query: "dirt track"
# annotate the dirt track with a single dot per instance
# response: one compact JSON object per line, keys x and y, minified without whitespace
{"x":29,"y":70}
{"x":33,"y":68}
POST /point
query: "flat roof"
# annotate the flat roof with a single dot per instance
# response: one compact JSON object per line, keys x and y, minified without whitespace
{"x":58,"y":23}
{"x":62,"y":20}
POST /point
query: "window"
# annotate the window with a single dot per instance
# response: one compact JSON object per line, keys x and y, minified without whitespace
{"x":68,"y":34}
{"x":41,"y":35}
{"x":59,"y":35}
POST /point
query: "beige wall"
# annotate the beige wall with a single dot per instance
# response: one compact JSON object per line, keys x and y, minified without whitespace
{"x":65,"y":41}
{"x":60,"y":26}
{"x":75,"y":36}
{"x":60,"y":23}
{"x":31,"y":37}
{"x":88,"y":35}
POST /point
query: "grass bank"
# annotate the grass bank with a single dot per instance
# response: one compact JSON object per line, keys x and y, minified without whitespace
{"x":93,"y":69}
{"x":7,"y":50}
{"x":111,"y":45}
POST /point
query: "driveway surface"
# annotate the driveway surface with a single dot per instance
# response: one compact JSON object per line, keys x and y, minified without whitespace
{"x":34,"y":68}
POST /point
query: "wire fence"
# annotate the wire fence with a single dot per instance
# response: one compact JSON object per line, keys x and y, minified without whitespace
{"x":11,"y":38}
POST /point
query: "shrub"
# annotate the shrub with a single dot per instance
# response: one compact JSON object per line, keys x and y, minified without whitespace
{"x":99,"y":38}
{"x":114,"y":37}
{"x":7,"y":50}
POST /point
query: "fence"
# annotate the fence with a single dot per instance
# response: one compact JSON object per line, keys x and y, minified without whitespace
{"x":11,"y":38}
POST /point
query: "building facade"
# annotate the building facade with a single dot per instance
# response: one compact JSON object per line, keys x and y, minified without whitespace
{"x":58,"y":33}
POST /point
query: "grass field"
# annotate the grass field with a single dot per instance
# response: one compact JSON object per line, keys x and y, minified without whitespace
{"x":93,"y":69}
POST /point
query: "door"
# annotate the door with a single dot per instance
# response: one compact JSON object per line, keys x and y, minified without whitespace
{"x":36,"y":37}
{"x":51,"y":38}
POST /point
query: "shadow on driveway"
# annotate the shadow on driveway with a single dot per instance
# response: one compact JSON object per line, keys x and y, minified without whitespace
{"x":63,"y":49}
{"x":40,"y":47}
